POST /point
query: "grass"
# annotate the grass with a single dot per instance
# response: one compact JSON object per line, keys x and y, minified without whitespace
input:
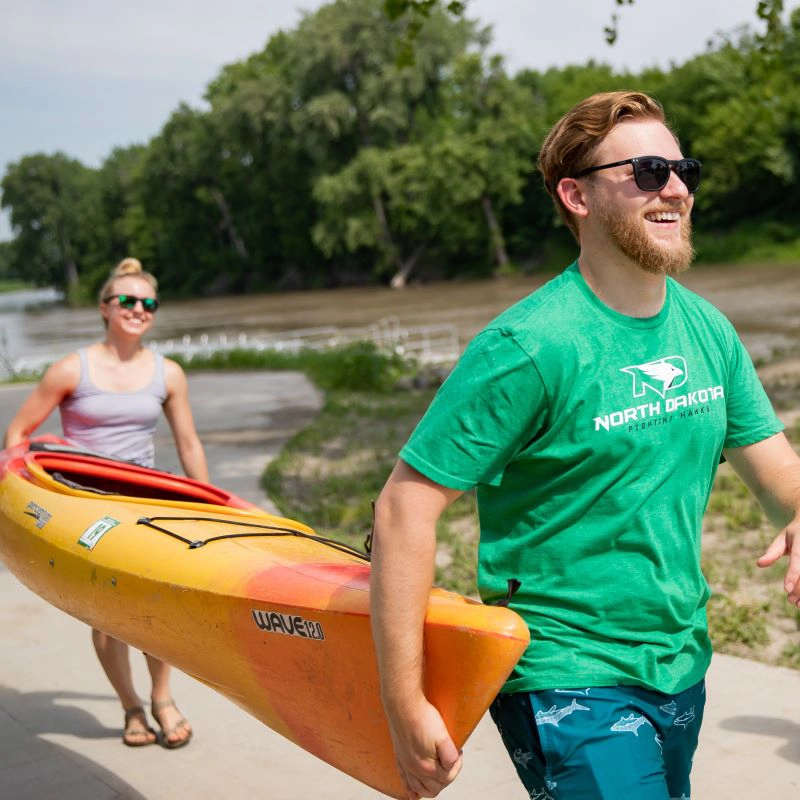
{"x":737,"y":628}
{"x":332,"y":471}
{"x":13,"y":285}
{"x":753,"y":241}
{"x":358,"y":367}
{"x":790,"y":656}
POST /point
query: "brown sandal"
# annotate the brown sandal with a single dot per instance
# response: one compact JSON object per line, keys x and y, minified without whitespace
{"x":134,"y":735}
{"x":158,"y":705}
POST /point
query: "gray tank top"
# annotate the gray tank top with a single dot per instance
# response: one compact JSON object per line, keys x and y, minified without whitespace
{"x":117,"y":424}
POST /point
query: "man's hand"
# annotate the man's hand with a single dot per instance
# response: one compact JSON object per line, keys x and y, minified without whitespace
{"x":786,"y":543}
{"x":427,"y":758}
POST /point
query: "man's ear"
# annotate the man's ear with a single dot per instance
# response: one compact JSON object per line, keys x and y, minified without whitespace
{"x":572,"y":196}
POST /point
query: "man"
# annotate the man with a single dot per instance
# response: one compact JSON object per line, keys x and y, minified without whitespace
{"x":591,"y":418}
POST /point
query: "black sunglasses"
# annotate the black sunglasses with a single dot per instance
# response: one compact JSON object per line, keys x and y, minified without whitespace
{"x":651,"y":173}
{"x":149,"y":304}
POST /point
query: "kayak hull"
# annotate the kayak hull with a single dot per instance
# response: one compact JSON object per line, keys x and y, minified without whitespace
{"x":253,"y":605}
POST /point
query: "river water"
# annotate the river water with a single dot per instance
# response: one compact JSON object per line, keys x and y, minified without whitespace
{"x":762,"y":302}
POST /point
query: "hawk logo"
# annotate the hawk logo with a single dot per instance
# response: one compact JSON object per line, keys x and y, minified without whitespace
{"x":661,"y":376}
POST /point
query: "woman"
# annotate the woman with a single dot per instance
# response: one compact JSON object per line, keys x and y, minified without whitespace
{"x":110,"y":396}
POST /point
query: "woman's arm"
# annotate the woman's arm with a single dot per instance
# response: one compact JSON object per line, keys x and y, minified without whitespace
{"x":179,"y":415}
{"x":58,"y":381}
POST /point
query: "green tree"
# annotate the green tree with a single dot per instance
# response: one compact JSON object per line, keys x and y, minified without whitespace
{"x":6,"y":261}
{"x":734,"y":108}
{"x":390,"y":202}
{"x":487,"y":141}
{"x":534,"y":228}
{"x":182,"y":188}
{"x":416,"y":12}
{"x":53,"y":205}
{"x":254,"y":105}
{"x":441,"y":196}
{"x":427,"y":198}
{"x":357,"y":105}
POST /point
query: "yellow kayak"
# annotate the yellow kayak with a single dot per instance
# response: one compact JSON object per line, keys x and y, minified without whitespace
{"x":258,"y":607}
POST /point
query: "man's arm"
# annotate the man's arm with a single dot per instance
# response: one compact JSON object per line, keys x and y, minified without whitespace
{"x":771,"y":470}
{"x":403,"y":557}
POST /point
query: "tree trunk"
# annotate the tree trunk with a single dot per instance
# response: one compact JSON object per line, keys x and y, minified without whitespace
{"x":402,"y":268}
{"x":400,"y":278}
{"x":70,"y":267}
{"x":227,"y":224}
{"x":495,"y":231}
{"x":70,"y":274}
{"x":386,"y":233}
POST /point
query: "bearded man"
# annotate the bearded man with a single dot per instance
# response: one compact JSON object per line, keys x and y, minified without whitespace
{"x":590,"y":418}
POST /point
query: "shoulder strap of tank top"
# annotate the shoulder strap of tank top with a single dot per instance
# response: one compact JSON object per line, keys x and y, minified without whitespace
{"x":160,"y":375}
{"x":83,"y":355}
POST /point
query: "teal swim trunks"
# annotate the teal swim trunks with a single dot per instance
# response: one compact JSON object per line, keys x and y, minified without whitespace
{"x":602,"y":743}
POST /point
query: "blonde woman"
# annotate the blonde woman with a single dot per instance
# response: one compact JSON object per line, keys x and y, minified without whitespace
{"x":110,"y":396}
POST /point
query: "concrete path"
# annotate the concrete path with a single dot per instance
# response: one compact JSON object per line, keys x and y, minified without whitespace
{"x":60,"y":723}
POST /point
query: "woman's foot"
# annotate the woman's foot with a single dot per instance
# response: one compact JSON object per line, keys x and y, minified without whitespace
{"x":137,"y":732}
{"x":175,"y":730}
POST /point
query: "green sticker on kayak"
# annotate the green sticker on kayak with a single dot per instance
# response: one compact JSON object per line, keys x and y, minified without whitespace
{"x":94,"y":533}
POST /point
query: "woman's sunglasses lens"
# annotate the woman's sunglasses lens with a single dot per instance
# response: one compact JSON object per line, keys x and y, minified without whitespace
{"x":149,"y":304}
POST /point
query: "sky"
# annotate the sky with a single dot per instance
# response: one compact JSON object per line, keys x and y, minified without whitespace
{"x":85,"y":76}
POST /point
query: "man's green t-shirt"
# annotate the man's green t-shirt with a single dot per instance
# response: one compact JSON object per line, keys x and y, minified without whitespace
{"x":593,"y":440}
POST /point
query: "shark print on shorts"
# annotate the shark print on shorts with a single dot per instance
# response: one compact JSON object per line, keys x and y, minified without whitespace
{"x":554,"y":715}
{"x":622,"y":738}
{"x":685,"y":719}
{"x":631,"y":724}
{"x":522,"y":758}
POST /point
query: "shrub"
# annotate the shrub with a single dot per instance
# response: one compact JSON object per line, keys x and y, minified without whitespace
{"x":360,"y":366}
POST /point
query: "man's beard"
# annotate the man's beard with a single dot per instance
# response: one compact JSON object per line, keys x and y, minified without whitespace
{"x":630,"y":234}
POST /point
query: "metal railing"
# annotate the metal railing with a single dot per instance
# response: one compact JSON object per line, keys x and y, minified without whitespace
{"x":437,"y":343}
{"x":427,"y":344}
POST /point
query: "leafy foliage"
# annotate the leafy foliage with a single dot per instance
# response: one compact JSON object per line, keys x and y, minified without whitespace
{"x":53,"y":204}
{"x":357,"y":367}
{"x":325,"y":159}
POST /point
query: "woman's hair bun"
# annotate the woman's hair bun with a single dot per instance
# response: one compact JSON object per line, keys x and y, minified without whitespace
{"x":128,"y":266}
